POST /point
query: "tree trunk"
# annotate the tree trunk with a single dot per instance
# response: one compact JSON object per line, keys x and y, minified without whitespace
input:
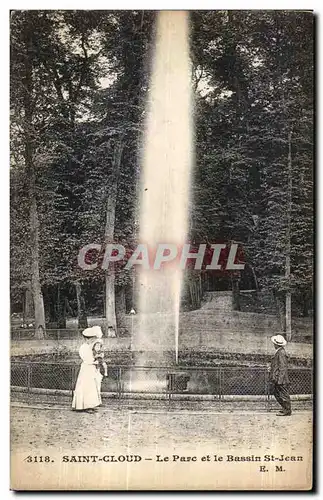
{"x":288,"y":316}
{"x":61,"y":319}
{"x":30,"y":171}
{"x":129,"y":297}
{"x":288,"y":312}
{"x":280,"y":313}
{"x":35,"y":278}
{"x":111,"y":321}
{"x":194,"y":285}
{"x":81,"y":312}
{"x":254,"y":278}
{"x":50,"y":300}
{"x":67,"y":308}
{"x":28,"y":307}
{"x":236,"y":294}
{"x":305,"y":308}
{"x":120,"y":299}
{"x":104,"y":302}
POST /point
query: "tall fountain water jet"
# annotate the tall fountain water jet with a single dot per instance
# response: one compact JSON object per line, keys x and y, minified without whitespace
{"x":165,"y":184}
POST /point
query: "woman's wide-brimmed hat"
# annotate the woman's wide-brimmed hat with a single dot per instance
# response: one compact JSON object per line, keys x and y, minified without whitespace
{"x":93,"y":331}
{"x":278,"y":340}
{"x":97,"y":332}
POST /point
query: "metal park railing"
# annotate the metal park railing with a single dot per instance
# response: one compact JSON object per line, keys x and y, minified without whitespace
{"x":215,"y":383}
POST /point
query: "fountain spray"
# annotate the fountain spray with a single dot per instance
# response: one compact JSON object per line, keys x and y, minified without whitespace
{"x":165,"y":180}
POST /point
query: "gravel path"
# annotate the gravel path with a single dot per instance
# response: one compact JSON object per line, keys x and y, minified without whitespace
{"x":152,"y":433}
{"x":58,"y":427}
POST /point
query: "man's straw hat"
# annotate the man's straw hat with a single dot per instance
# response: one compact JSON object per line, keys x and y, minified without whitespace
{"x":278,"y":340}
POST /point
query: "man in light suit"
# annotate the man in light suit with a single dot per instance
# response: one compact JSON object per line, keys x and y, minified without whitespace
{"x":279,"y":376}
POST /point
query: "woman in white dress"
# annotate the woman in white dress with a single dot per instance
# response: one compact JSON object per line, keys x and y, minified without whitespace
{"x":87,"y":393}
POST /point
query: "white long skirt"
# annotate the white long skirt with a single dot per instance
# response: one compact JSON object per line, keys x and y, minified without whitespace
{"x":87,"y":393}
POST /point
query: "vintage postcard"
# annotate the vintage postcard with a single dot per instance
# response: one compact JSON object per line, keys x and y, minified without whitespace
{"x":161,"y":281}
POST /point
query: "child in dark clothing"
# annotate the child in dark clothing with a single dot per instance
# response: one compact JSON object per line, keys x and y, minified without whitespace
{"x":98,"y":355}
